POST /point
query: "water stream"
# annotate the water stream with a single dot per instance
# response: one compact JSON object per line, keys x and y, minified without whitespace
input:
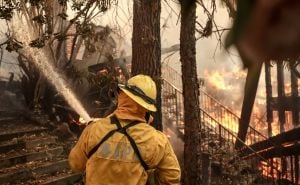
{"x":43,"y":59}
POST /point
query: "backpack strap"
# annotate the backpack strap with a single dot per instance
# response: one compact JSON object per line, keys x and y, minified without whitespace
{"x":108,"y":135}
{"x":114,"y":120}
{"x":121,"y":129}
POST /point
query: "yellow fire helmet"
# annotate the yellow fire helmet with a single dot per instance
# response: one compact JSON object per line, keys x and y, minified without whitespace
{"x":142,"y":89}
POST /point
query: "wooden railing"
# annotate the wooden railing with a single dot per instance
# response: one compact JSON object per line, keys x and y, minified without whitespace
{"x":213,"y":107}
{"x":218,"y":123}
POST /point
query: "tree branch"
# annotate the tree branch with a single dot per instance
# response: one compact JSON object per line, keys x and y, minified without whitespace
{"x":73,"y":20}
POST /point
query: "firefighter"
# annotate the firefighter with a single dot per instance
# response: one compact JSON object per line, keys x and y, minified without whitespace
{"x":122,"y":148}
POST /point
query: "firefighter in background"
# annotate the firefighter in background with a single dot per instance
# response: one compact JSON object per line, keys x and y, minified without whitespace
{"x":122,"y":148}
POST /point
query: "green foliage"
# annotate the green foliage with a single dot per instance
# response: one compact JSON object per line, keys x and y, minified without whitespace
{"x":40,"y":19}
{"x":42,"y":16}
{"x":34,"y":2}
{"x":39,"y":42}
{"x":76,"y":6}
{"x":85,"y":29}
{"x":102,"y":5}
{"x":98,"y":81}
{"x":102,"y":86}
{"x":6,"y":9}
{"x":13,"y":45}
{"x":43,"y":19}
{"x":60,"y":36}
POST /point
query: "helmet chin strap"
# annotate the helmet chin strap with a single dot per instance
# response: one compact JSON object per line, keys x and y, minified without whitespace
{"x":147,"y":117}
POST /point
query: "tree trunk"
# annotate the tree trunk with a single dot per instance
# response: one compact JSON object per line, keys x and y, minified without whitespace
{"x":295,"y":95}
{"x":146,"y":48}
{"x":191,"y":173}
{"x":269,"y":96}
{"x":251,"y":85}
{"x":206,"y":169}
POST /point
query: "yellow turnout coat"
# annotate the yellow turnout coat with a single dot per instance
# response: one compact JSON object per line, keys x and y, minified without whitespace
{"x":115,"y":162}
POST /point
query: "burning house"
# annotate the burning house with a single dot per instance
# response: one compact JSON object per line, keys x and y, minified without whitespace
{"x":95,"y":63}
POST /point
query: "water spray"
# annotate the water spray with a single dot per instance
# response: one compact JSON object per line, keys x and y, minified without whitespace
{"x":44,"y":61}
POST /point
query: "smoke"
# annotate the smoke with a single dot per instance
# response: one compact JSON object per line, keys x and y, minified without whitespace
{"x":176,"y":142}
{"x":24,"y":32}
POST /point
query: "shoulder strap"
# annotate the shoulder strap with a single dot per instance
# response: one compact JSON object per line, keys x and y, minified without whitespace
{"x":121,"y":129}
{"x":108,"y":135}
{"x":114,"y":120}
